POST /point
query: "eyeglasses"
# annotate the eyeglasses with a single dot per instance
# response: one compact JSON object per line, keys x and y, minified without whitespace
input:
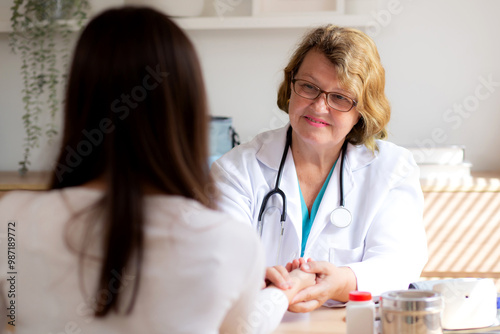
{"x":310,"y":91}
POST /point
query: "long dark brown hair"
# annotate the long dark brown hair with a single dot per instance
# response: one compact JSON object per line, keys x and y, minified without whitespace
{"x":135,"y":116}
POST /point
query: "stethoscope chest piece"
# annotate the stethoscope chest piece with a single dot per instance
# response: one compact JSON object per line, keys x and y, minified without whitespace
{"x":341,"y":217}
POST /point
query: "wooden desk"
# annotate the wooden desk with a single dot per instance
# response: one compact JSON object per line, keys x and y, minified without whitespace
{"x":31,"y":181}
{"x":323,"y":320}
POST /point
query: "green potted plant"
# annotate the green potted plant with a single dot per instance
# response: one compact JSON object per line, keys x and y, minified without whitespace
{"x":41,"y":31}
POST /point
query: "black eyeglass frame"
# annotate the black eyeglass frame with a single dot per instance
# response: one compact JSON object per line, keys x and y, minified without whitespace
{"x":354,"y":103}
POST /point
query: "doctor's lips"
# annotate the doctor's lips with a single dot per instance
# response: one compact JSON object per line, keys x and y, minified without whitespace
{"x":315,"y":121}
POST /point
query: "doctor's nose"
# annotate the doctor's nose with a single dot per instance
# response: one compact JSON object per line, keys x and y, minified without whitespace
{"x":321,"y":104}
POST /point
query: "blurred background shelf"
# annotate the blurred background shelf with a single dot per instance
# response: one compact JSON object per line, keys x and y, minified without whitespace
{"x":255,"y":22}
{"x":269,"y":22}
{"x":478,"y":182}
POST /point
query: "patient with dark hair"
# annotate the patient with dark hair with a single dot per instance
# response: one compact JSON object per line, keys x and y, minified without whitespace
{"x":127,"y":240}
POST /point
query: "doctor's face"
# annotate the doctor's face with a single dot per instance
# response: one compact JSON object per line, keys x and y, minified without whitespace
{"x":315,"y":122}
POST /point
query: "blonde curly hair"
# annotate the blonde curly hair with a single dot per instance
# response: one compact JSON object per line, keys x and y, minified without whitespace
{"x":360,"y":72}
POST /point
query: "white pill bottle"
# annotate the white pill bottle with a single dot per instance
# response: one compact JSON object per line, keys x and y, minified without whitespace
{"x":360,"y":313}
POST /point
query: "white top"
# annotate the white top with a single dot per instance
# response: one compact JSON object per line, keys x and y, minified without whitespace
{"x":385,"y":245}
{"x":201,"y":271}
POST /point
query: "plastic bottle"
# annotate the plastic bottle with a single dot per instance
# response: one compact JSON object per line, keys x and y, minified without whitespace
{"x":360,"y":313}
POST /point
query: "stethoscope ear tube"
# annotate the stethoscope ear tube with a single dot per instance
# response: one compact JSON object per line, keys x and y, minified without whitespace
{"x":276,"y":190}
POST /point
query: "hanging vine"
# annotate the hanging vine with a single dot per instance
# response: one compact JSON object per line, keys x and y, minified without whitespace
{"x":37,"y":27}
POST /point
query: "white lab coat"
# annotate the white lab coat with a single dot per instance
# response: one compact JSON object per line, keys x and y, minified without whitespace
{"x":385,"y":245}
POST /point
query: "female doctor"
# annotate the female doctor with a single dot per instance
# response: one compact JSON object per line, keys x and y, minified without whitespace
{"x":326,"y":186}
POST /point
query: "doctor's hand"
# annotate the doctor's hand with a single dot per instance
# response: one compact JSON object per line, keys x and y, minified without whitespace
{"x":331,"y":283}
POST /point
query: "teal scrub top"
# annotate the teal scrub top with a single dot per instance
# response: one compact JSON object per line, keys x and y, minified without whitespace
{"x":308,"y":219}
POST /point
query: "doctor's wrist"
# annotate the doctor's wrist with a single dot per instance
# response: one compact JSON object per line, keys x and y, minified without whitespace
{"x":345,"y":283}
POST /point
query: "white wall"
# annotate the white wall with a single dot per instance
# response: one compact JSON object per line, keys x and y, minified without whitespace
{"x":436,"y":54}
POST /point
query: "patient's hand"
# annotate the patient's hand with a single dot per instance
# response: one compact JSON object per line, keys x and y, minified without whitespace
{"x":332,"y":282}
{"x":295,"y":264}
{"x":279,"y":277}
{"x":301,"y":280}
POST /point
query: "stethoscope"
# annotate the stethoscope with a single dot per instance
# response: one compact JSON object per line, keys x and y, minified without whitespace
{"x":340,"y":217}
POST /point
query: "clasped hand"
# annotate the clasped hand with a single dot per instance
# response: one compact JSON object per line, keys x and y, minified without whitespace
{"x":330,"y":282}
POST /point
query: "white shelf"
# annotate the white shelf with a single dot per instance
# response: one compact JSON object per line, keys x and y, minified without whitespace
{"x":269,"y":22}
{"x":256,"y":22}
{"x":6,"y":28}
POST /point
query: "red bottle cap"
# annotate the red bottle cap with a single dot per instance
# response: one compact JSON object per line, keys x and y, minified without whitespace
{"x":360,"y":296}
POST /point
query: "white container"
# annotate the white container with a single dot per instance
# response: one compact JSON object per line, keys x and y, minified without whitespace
{"x":468,"y":302}
{"x":360,"y":313}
